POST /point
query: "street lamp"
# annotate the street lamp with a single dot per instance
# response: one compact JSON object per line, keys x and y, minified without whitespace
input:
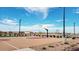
{"x":46,"y":31}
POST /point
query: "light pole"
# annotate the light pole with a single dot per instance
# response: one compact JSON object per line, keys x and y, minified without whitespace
{"x":46,"y":32}
{"x":74,"y":28}
{"x":64,"y":26}
{"x":64,"y":22}
{"x":64,"y":17}
{"x":19,"y":26}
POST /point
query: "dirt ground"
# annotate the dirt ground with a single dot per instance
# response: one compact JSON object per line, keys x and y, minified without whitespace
{"x":36,"y":43}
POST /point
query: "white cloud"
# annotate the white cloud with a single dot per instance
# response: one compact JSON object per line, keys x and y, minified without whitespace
{"x":68,"y":29}
{"x":31,"y":28}
{"x":7,"y":21}
{"x":38,"y":27}
{"x":59,"y":20}
{"x":47,"y":25}
{"x":35,"y":28}
{"x":71,"y":29}
{"x":8,"y":28}
{"x":42,"y":10}
{"x":51,"y":28}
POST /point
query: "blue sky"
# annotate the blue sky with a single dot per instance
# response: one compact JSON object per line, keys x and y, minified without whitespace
{"x":38,"y":18}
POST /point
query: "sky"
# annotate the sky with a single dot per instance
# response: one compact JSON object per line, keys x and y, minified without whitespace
{"x":36,"y":19}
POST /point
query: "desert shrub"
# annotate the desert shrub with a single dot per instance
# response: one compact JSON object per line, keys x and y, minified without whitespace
{"x":76,"y":49}
{"x":67,"y":37}
{"x":66,"y":43}
{"x":60,"y":36}
{"x":73,"y":38}
{"x":54,"y":36}
{"x":61,"y":43}
{"x":77,"y":43}
{"x":57,"y":36}
{"x":73,"y":45}
{"x":51,"y":46}
{"x":50,"y":35}
{"x":44,"y":48}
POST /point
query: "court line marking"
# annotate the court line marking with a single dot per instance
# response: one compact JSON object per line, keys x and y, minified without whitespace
{"x":11,"y":45}
{"x":17,"y":49}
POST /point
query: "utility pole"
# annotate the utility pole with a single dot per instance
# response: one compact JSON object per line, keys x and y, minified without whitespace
{"x":19,"y":27}
{"x":64,"y":22}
